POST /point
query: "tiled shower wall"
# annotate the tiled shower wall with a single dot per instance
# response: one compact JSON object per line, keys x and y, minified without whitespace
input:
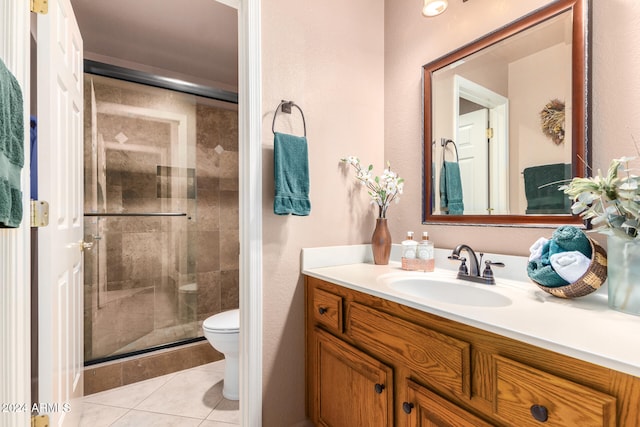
{"x":217,"y":234}
{"x":152,"y":257}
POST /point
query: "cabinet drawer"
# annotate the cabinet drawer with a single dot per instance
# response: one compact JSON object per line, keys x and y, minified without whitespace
{"x":440,"y":360}
{"x":327,"y":309}
{"x":425,"y":408}
{"x":525,"y":396}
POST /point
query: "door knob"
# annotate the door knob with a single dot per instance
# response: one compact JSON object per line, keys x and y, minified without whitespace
{"x":407,"y":407}
{"x":85,"y":246}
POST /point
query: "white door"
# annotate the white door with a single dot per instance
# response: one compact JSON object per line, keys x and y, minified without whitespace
{"x":473,"y":159}
{"x":60,"y":182}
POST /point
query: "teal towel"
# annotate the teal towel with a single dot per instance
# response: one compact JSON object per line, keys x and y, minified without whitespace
{"x":544,"y":274}
{"x":544,"y":198}
{"x":11,"y":148}
{"x":571,"y":238}
{"x":451,"y":189}
{"x":550,"y":248}
{"x":291,"y":174}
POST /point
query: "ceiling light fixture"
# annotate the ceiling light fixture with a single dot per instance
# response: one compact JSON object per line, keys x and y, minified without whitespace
{"x":434,"y":7}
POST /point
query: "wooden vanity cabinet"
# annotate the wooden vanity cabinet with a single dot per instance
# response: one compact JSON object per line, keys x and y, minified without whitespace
{"x":426,"y":409}
{"x":353,"y":389}
{"x":374,"y":362}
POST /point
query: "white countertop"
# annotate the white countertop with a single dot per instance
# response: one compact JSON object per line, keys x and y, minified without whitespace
{"x":584,"y":328}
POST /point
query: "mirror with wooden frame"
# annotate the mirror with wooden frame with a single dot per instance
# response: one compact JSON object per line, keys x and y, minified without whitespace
{"x":507,"y":120}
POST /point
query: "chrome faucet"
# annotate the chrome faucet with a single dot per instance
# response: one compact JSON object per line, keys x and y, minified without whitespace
{"x":473,"y":272}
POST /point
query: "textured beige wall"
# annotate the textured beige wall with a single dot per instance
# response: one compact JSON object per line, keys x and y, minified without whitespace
{"x":328,"y":57}
{"x":412,"y":41}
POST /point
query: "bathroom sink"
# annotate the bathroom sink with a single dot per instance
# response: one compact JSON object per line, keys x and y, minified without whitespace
{"x":449,"y":292}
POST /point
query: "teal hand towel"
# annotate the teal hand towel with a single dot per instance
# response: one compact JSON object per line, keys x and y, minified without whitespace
{"x":451,"y":189}
{"x":11,"y":148}
{"x":571,"y":238}
{"x":291,"y":175}
{"x":544,"y":274}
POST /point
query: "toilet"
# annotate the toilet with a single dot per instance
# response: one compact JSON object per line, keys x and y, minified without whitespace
{"x":222,"y":330}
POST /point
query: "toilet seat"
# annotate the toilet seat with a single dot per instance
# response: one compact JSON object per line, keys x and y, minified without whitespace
{"x":227,"y":322}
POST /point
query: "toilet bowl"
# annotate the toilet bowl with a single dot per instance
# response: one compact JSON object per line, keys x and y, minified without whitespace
{"x":222,"y":330}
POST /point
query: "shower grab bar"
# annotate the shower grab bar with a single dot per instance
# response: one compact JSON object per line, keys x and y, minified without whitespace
{"x":136,"y":214}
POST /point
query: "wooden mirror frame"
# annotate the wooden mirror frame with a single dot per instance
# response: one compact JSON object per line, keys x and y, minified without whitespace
{"x":580,"y":120}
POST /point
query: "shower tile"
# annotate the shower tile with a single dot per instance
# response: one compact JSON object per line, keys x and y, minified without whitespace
{"x":229,"y":210}
{"x":142,"y":224}
{"x":208,"y":294}
{"x":202,"y":355}
{"x":207,"y":161}
{"x":138,"y":418}
{"x":140,"y":256}
{"x":208,"y":249}
{"x":207,"y":125}
{"x":121,"y":321}
{"x":101,"y":378}
{"x":209,"y":214}
{"x":229,"y":130}
{"x":229,"y":170}
{"x":152,"y":366}
{"x":207,"y":188}
{"x":229,"y":249}
{"x":229,"y":289}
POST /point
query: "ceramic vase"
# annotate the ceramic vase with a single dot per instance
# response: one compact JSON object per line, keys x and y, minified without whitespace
{"x":381,"y":242}
{"x":623,"y":273}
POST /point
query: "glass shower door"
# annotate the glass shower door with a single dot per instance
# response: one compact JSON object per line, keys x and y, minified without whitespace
{"x":140,"y":198}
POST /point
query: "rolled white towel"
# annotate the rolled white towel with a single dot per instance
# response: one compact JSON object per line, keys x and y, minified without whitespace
{"x":536,"y":249}
{"x":570,"y":265}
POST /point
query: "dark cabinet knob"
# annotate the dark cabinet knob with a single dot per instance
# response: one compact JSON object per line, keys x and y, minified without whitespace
{"x":322,"y":310}
{"x":379,"y":388}
{"x":407,"y":407}
{"x":540,"y":413}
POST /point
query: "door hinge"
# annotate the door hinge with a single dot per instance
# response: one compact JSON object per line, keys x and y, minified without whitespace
{"x":489,"y":133}
{"x":39,"y":420}
{"x":40,"y":6}
{"x":39,"y":213}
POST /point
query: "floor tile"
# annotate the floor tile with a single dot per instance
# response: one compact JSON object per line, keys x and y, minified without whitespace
{"x":137,"y":418}
{"x":188,"y":392}
{"x":192,"y":397}
{"x":213,"y":368}
{"x":94,"y":415}
{"x":131,"y":395}
{"x":227,"y":411}
{"x":208,"y":423}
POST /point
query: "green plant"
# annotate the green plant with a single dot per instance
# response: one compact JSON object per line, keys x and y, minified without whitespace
{"x":611,"y":202}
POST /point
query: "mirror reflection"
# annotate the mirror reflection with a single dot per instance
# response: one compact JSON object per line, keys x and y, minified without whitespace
{"x":502,"y":123}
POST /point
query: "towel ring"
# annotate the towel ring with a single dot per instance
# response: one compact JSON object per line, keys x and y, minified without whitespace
{"x":286,"y":108}
{"x":444,"y":144}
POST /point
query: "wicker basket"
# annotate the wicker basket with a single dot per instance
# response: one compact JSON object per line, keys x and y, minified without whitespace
{"x":589,"y":282}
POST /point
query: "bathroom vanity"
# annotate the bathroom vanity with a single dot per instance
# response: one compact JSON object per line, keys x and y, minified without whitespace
{"x":378,"y":356}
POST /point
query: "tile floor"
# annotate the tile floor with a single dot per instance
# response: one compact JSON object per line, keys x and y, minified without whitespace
{"x":192,"y":397}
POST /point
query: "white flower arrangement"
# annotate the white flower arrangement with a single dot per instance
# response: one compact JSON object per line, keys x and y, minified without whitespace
{"x":382,"y":189}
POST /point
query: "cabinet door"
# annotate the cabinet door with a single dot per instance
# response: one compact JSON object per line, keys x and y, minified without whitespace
{"x":353,"y":389}
{"x":426,"y":409}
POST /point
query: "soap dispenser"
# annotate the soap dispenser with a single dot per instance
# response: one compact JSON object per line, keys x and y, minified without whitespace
{"x":409,"y":246}
{"x":426,"y":253}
